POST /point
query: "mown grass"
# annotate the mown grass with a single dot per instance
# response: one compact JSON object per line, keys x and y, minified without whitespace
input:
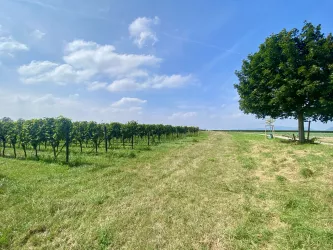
{"x":216,"y":191}
{"x":292,"y":187}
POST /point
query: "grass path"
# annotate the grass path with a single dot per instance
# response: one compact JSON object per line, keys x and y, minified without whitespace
{"x":226,"y":191}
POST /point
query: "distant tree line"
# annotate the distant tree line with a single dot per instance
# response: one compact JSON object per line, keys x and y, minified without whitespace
{"x":61,"y":132}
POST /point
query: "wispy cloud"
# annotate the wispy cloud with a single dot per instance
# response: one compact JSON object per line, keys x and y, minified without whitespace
{"x":37,"y":34}
{"x":47,"y":5}
{"x":183,"y":115}
{"x":128,"y":102}
{"x":225,"y":54}
{"x":43,"y":4}
{"x":188,"y":40}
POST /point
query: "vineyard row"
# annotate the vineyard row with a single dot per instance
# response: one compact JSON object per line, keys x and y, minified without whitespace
{"x":61,"y":132}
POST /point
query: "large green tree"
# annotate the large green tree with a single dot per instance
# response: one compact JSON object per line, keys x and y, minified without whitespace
{"x":291,"y":76}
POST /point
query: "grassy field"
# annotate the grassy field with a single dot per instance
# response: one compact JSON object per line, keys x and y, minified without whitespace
{"x":218,"y":191}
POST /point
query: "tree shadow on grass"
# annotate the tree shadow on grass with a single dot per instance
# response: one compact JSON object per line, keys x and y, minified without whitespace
{"x":293,"y":142}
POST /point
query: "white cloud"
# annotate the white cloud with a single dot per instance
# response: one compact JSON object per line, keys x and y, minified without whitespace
{"x":141,"y":30}
{"x":125,"y":84}
{"x":8,"y":45}
{"x":23,"y":102}
{"x":36,"y":68}
{"x":173,"y":81}
{"x":155,"y":82}
{"x":104,"y":59}
{"x":86,"y":62}
{"x":37,"y":34}
{"x":96,"y":86}
{"x":183,"y":115}
{"x":126,"y":105}
{"x":128,"y":102}
{"x":83,"y":60}
{"x":51,"y":100}
{"x":47,"y":99}
{"x":81,"y":44}
{"x":45,"y":71}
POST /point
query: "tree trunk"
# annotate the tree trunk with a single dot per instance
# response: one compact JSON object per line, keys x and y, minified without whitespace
{"x":301,"y":135}
{"x":80,"y":146}
{"x":36,"y":152}
{"x":148,"y":138}
{"x":25,"y":151}
{"x":309,"y":130}
{"x":67,"y":147}
{"x":132,"y":141}
{"x":106,"y":140}
{"x":54,"y":152}
{"x":4,"y":147}
{"x":96,"y":147}
{"x":14,"y":150}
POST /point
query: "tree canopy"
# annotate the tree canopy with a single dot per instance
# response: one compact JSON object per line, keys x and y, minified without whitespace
{"x":291,"y":76}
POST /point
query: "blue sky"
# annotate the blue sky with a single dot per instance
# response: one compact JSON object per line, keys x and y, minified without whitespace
{"x":152,"y":61}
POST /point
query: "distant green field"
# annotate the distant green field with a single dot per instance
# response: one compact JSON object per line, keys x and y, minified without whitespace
{"x":216,"y":191}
